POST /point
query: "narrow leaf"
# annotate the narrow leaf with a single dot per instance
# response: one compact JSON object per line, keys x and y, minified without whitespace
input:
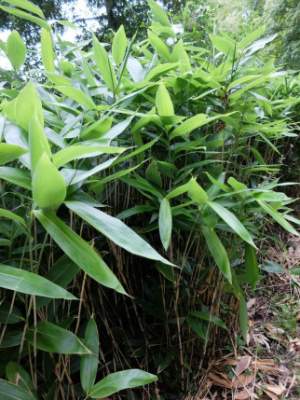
{"x":278,"y":217}
{"x":48,"y":185}
{"x":79,"y":250}
{"x":29,"y":283}
{"x":10,"y":152}
{"x":117,"y":381}
{"x":16,"y":176}
{"x":103,"y":64}
{"x":163,"y":102}
{"x":54,"y":339}
{"x":47,"y":50}
{"x":217,"y":251}
{"x":116,"y":231}
{"x":231,"y":220}
{"x":89,"y":363}
{"x":79,"y":151}
{"x":119,"y":45}
{"x":165,"y":223}
{"x":15,"y":50}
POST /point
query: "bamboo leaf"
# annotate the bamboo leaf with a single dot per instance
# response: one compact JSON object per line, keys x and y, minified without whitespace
{"x":48,"y":55}
{"x":77,"y":95}
{"x":16,"y":176}
{"x":50,"y":194}
{"x":163,"y":102}
{"x":217,"y":251}
{"x":38,"y":142}
{"x":165,"y":223}
{"x":119,"y":45}
{"x":278,"y":217}
{"x":78,"y":250}
{"x":21,"y":109}
{"x":29,"y":283}
{"x":117,"y":381}
{"x":28,"y":6}
{"x":89,"y":363}
{"x":251,"y":266}
{"x":231,"y":220}
{"x":196,"y":192}
{"x":79,"y":151}
{"x":159,"y":46}
{"x":103,"y":64}
{"x":10,"y":391}
{"x":54,"y":339}
{"x":12,"y":216}
{"x":158,"y":13}
{"x":116,"y":231}
{"x":15,"y":50}
{"x":24,"y":15}
{"x":10,"y":152}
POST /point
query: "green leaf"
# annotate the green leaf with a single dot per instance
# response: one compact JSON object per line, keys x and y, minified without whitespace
{"x":74,"y":176}
{"x":27,"y":6}
{"x":251,"y":266}
{"x":159,"y":13}
{"x":16,"y":176}
{"x":16,"y":374}
{"x":231,"y":220}
{"x":159,"y":46}
{"x":119,"y":45}
{"x":77,"y":95}
{"x":21,"y":109}
{"x":117,"y":381}
{"x":78,"y":250}
{"x":89,"y":363}
{"x":278,"y":217}
{"x":54,"y":339}
{"x":97,"y":129}
{"x":207,"y":316}
{"x":103,"y":64}
{"x":243,"y":318}
{"x":15,"y":50}
{"x":116,"y":231}
{"x":29,"y":283}
{"x":197,"y":121}
{"x":10,"y":152}
{"x":48,"y":185}
{"x":79,"y":151}
{"x":62,"y":273}
{"x":165,"y":223}
{"x":163,"y":102}
{"x":223,"y":44}
{"x":196,"y":192}
{"x":9,"y":391}
{"x":38,"y":142}
{"x":180,"y":55}
{"x":217,"y":251}
{"x":12,"y":216}
{"x":152,"y":173}
{"x":24,"y":15}
{"x":48,"y":55}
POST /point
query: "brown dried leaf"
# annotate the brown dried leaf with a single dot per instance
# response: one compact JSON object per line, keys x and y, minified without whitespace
{"x":271,"y":395}
{"x":220,"y":380}
{"x":243,"y":395}
{"x":242,"y":381}
{"x":276,"y":389}
{"x":242,"y":365}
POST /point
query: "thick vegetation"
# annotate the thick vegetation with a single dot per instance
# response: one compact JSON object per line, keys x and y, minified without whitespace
{"x":137,"y":180}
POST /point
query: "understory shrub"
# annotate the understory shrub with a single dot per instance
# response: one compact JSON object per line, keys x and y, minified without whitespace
{"x":137,"y":181}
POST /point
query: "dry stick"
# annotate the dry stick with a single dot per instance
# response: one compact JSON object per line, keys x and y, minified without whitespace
{"x":80,"y":303}
{"x":34,"y":342}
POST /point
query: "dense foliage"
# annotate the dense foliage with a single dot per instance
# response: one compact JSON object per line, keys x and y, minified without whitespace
{"x":137,"y":181}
